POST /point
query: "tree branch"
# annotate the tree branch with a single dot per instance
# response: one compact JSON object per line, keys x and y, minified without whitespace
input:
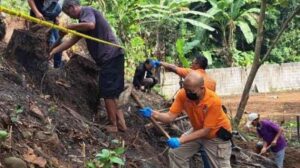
{"x":255,"y":65}
{"x":283,"y":27}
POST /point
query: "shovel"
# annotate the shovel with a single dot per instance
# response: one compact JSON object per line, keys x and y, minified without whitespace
{"x":152,"y":119}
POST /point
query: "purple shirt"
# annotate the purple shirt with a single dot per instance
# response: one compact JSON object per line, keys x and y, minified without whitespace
{"x":268,"y":130}
{"x":99,"y":51}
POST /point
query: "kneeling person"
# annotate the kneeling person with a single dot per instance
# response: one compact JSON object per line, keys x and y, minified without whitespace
{"x":211,"y":126}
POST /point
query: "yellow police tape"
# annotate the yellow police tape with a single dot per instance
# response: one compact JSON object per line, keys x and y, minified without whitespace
{"x":52,"y":25}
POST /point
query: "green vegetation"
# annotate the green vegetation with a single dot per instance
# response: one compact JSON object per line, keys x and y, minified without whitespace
{"x":171,"y":30}
{"x":108,"y":158}
{"x":15,"y":116}
{"x":3,"y":135}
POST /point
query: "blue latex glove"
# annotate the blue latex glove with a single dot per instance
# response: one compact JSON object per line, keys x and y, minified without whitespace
{"x":155,"y":63}
{"x":173,"y":143}
{"x":146,"y":112}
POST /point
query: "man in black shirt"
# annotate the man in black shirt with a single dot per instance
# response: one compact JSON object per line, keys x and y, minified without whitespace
{"x":143,"y":77}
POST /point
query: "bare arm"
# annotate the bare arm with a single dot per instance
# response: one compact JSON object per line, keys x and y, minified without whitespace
{"x":265,"y":148}
{"x":65,"y":45}
{"x":84,"y":26}
{"x":277,"y":136}
{"x":194,"y":135}
{"x":35,"y":9}
{"x":170,"y":67}
{"x":164,"y":117}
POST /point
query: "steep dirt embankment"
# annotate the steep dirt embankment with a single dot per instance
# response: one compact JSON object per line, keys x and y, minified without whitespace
{"x":49,"y":112}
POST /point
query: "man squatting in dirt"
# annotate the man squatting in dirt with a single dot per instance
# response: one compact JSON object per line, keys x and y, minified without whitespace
{"x":211,"y":126}
{"x":48,"y":10}
{"x":143,"y":78}
{"x":272,"y":136}
{"x":110,"y":59}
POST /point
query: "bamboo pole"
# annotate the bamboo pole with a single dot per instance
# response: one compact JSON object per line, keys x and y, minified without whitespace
{"x":52,"y":25}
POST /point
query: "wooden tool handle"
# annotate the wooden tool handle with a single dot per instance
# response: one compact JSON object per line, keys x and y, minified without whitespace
{"x":140,"y":104}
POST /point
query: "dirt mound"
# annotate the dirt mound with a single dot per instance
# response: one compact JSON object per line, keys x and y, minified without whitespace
{"x":55,"y":126}
{"x":75,"y":84}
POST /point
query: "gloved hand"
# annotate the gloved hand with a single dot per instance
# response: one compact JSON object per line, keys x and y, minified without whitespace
{"x":173,"y":143}
{"x":146,"y":112}
{"x":155,"y":63}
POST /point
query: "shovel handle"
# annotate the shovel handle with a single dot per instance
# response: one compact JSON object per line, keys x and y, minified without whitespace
{"x":140,"y":104}
{"x":268,"y":147}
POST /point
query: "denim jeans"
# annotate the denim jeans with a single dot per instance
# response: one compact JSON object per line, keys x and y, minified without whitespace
{"x":54,"y":36}
{"x":279,"y":158}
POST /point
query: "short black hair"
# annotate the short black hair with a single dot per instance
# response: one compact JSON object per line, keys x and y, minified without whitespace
{"x":148,"y":61}
{"x":201,"y":60}
{"x":68,"y":3}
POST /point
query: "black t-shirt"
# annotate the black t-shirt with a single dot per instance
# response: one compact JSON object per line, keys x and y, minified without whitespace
{"x":99,"y":51}
{"x":140,"y":73}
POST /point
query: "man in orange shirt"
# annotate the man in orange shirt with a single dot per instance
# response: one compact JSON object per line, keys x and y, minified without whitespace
{"x":211,"y":126}
{"x":199,"y":65}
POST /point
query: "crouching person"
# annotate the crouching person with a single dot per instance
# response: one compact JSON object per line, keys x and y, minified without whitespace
{"x":211,"y":126}
{"x":272,"y":136}
{"x":143,"y":77}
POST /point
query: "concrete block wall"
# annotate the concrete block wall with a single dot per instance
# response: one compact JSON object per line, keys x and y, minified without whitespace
{"x":231,"y":81}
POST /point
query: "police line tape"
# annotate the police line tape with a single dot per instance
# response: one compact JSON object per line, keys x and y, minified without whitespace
{"x":52,"y":25}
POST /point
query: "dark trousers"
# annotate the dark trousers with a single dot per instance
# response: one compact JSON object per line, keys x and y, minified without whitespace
{"x":54,"y":36}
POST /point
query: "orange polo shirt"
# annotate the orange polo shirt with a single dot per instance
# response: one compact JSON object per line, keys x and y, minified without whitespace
{"x":207,"y":114}
{"x":208,"y":81}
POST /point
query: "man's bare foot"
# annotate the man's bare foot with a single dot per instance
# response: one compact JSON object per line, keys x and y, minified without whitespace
{"x":121,"y":125}
{"x":111,"y":128}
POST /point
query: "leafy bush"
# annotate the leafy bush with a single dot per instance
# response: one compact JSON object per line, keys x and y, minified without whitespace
{"x":20,"y":5}
{"x":287,"y":49}
{"x":243,"y":58}
{"x":107,"y":158}
{"x":3,"y":135}
{"x":135,"y":53}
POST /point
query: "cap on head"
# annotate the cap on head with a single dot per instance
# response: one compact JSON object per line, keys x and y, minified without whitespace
{"x":251,"y":118}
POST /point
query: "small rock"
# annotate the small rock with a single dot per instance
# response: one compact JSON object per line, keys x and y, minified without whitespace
{"x":6,"y":97}
{"x":51,"y":139}
{"x":14,"y":162}
{"x":35,"y":110}
{"x":26,"y":134}
{"x":41,"y":136}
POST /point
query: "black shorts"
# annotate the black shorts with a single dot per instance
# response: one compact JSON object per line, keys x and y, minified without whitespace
{"x":111,"y":78}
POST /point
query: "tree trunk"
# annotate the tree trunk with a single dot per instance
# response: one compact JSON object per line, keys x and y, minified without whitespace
{"x":255,"y":65}
{"x":257,"y":61}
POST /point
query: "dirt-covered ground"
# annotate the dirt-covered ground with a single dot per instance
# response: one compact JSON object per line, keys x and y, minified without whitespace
{"x":42,"y":126}
{"x":60,"y":135}
{"x":281,"y":106}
